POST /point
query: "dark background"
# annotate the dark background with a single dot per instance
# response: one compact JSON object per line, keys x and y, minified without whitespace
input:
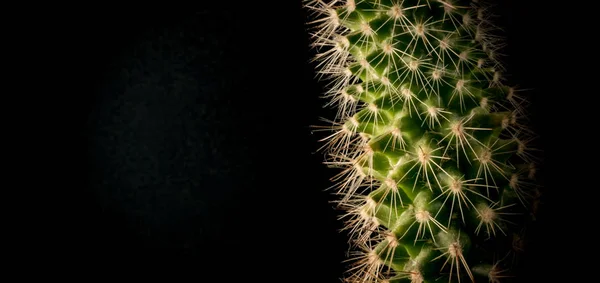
{"x":193,"y":146}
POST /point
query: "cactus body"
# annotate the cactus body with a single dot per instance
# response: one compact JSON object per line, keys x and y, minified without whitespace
{"x":436,"y":165}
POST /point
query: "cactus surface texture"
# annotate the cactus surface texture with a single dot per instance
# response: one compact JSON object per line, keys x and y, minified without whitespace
{"x":436,"y":164}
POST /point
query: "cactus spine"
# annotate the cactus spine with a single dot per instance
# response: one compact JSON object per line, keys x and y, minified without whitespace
{"x":437,"y":171}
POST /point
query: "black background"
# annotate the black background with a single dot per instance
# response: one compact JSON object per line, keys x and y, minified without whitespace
{"x":193,"y":146}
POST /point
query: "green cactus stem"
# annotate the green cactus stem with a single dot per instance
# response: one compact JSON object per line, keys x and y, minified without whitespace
{"x":437,"y":171}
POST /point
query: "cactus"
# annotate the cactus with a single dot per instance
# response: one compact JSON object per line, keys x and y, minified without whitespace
{"x":435,"y":156}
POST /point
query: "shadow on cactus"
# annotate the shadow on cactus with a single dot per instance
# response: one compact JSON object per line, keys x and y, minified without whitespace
{"x":436,"y":166}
